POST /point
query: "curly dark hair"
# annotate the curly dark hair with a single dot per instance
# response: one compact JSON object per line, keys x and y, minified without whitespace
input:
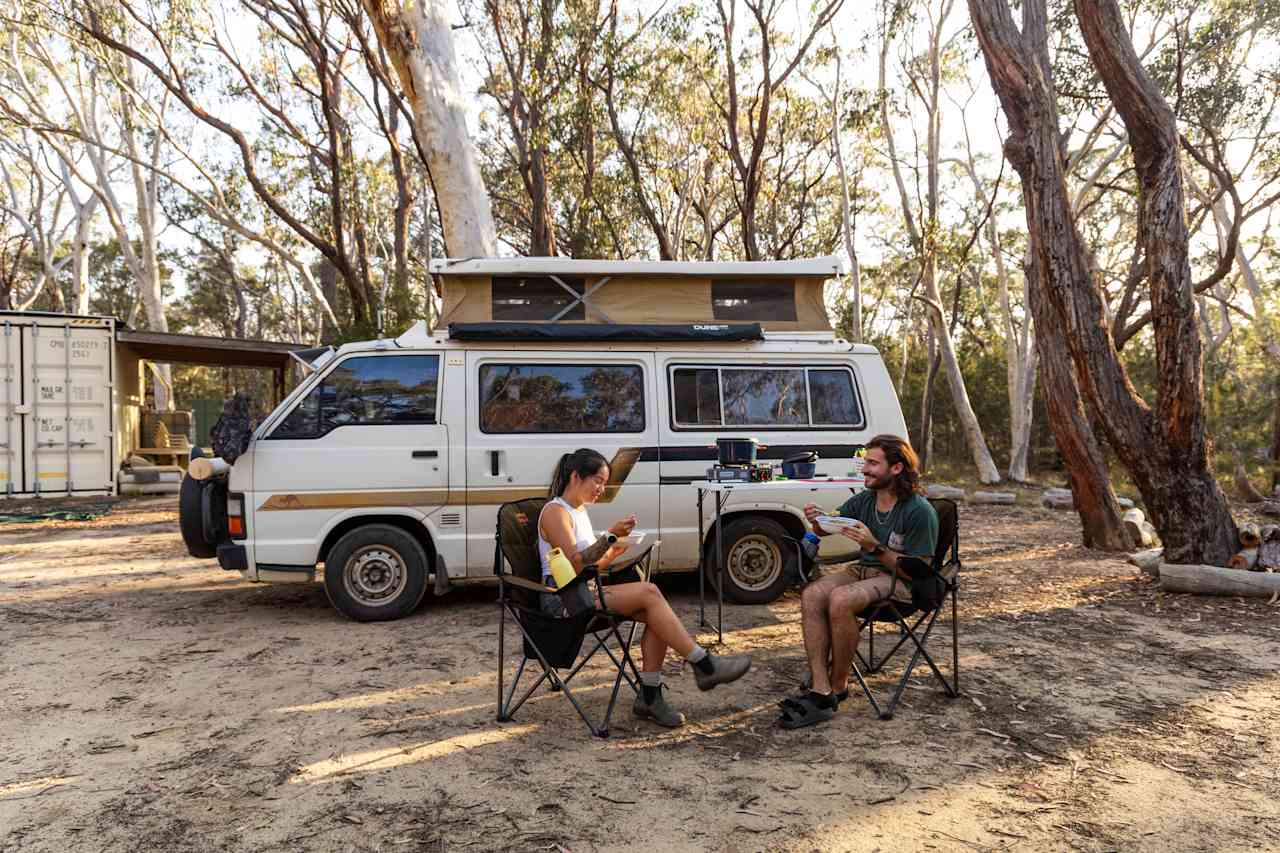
{"x":897,"y":449}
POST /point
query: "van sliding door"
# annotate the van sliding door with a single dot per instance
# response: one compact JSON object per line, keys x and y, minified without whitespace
{"x":529,"y":408}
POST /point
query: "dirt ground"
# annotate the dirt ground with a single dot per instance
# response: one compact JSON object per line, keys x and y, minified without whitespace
{"x":154,"y":702}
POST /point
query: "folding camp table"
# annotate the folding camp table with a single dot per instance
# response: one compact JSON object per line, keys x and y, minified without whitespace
{"x":722,"y":490}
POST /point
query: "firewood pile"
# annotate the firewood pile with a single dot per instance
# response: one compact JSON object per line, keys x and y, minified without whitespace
{"x":1259,"y":549}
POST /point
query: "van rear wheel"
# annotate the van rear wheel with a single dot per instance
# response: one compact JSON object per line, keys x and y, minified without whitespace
{"x":375,"y":573}
{"x":759,"y":564}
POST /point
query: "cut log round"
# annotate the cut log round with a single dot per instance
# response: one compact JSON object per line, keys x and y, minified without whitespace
{"x":1148,"y":561}
{"x":1215,"y":580}
{"x":994,"y":498}
{"x":1246,"y":559}
{"x":204,"y":468}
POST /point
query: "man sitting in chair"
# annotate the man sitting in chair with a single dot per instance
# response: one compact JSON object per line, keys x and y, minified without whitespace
{"x":892,"y":520}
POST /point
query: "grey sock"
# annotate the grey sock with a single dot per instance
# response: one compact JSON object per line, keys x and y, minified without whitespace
{"x":701,"y":660}
{"x":650,"y":686}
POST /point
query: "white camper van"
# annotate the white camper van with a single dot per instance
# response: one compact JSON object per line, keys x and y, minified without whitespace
{"x":387,"y":465}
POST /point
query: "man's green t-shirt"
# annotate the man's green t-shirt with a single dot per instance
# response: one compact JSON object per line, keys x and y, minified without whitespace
{"x":910,"y":528}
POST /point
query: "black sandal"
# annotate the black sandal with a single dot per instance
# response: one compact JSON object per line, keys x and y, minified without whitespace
{"x":807,"y":684}
{"x":801,"y":711}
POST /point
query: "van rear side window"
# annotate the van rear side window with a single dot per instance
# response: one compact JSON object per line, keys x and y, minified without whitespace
{"x":780,"y":397}
{"x":532,"y":398}
{"x":365,"y":391}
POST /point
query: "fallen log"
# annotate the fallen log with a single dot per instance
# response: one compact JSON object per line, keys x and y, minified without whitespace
{"x":994,"y":498}
{"x":1148,"y":561}
{"x":1056,"y":500}
{"x":1215,"y":580}
{"x":937,"y":490}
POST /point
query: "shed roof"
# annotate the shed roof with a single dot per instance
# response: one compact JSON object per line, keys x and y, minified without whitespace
{"x":202,"y":349}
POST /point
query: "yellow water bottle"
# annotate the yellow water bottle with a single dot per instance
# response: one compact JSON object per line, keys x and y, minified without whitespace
{"x":561,"y":568}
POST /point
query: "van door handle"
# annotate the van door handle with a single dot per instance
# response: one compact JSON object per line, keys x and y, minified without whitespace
{"x":494,"y":456}
{"x":425,"y":454}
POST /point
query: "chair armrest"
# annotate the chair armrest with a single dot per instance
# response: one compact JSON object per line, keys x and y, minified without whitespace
{"x":526,"y":583}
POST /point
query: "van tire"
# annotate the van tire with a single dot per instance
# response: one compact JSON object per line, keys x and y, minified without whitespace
{"x":759,"y":562}
{"x":191,"y":518}
{"x":376,"y":573}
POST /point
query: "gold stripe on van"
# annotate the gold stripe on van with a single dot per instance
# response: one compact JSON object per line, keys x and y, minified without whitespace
{"x":619,"y":468}
{"x":355,"y":500}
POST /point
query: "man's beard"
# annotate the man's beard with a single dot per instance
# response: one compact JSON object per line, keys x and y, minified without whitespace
{"x":880,"y":483}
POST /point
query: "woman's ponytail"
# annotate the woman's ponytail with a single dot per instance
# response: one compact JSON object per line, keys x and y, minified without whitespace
{"x":559,"y":477}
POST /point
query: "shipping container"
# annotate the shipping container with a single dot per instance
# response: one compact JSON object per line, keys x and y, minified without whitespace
{"x":57,"y":401}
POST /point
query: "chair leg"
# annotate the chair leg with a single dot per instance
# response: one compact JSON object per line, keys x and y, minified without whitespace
{"x":955,"y":639}
{"x":502,"y":633}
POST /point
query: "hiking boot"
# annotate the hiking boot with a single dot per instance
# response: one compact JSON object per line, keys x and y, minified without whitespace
{"x":723,"y":670}
{"x":658,"y":710}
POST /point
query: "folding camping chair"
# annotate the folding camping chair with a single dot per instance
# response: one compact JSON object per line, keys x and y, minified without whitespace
{"x":909,"y":618}
{"x":552,"y":642}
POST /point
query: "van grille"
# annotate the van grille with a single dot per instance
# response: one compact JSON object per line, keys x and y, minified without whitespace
{"x":450,"y":519}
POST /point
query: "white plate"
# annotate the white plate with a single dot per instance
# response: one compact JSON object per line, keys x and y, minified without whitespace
{"x":834,"y":523}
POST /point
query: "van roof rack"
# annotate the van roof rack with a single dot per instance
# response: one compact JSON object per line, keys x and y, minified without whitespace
{"x":512,"y":331}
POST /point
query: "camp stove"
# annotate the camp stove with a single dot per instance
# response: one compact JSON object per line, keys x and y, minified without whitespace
{"x":729,"y":473}
{"x":740,"y":473}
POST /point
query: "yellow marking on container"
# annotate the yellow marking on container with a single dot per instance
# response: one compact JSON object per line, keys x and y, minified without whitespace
{"x":53,"y":475}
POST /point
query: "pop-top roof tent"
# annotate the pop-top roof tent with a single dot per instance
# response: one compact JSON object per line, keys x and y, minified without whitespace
{"x":778,"y":295}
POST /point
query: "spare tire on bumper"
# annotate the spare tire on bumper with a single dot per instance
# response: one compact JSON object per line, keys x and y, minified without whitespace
{"x":202,"y":515}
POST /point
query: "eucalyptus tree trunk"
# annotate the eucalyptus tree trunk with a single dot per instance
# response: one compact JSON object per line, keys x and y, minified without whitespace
{"x":1164,"y":447}
{"x":419,"y":41}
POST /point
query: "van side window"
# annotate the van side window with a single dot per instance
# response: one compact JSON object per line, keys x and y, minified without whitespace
{"x":832,"y":399}
{"x":366,"y":391}
{"x":753,"y":300}
{"x":524,"y":398}
{"x":796,"y":397}
{"x":537,"y":297}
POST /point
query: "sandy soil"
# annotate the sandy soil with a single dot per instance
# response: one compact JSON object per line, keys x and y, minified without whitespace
{"x":153,"y":702}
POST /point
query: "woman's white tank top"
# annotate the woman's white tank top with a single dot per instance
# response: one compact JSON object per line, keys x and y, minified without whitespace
{"x":583,"y":535}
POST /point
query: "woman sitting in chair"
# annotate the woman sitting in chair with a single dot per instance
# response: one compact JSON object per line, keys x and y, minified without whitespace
{"x":579,"y":479}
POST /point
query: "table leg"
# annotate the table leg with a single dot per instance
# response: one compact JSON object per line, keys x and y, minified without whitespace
{"x":720,"y":571}
{"x":702,"y":568}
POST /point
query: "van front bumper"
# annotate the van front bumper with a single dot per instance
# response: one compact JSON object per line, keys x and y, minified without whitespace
{"x":233,"y":557}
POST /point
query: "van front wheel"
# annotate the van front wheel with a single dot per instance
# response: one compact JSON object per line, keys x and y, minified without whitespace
{"x":758,"y":562}
{"x":375,"y":573}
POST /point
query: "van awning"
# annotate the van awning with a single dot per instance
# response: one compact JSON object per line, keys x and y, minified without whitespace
{"x":563,"y":332}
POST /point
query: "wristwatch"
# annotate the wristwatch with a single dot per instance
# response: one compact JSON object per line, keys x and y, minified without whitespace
{"x":876,"y":550}
{"x":610,"y":536}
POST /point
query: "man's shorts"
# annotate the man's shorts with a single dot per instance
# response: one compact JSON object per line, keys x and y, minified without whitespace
{"x":901,"y":591}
